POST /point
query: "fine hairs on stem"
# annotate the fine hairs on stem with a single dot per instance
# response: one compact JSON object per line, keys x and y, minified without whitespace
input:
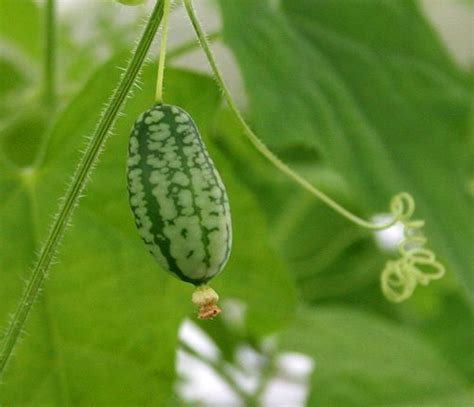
{"x":416,"y":265}
{"x":75,"y":189}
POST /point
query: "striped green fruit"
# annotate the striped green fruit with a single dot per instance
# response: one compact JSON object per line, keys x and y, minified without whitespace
{"x":177,"y":197}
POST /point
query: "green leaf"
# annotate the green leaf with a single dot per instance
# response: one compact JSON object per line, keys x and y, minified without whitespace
{"x":333,"y":260}
{"x":11,"y":74}
{"x":17,"y":75}
{"x":337,"y":263}
{"x":21,"y":138}
{"x":446,"y":320}
{"x":20,"y":25}
{"x":255,"y":274}
{"x":327,"y":255}
{"x":370,"y":86}
{"x":105,"y":329}
{"x":363,"y":360}
{"x":106,"y":326}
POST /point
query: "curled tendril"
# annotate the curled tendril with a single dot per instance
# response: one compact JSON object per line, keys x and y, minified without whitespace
{"x":416,"y":265}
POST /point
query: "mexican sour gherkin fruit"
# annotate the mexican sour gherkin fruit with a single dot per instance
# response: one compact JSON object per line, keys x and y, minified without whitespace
{"x":178,"y":200}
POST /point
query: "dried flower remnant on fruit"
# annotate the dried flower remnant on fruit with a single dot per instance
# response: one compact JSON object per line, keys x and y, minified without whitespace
{"x":205,"y":298}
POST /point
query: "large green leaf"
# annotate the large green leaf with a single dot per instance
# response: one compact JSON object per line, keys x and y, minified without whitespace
{"x":20,"y":25}
{"x":255,"y":274}
{"x":446,"y":320}
{"x":328,"y":256}
{"x":11,"y":74}
{"x":104,"y":331}
{"x":370,"y":86}
{"x":362,"y":360}
{"x":333,"y":260}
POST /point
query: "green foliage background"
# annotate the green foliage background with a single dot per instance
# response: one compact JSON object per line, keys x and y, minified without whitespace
{"x":360,"y":96}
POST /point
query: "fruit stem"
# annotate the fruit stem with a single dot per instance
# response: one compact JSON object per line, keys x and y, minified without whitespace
{"x":162,"y":59}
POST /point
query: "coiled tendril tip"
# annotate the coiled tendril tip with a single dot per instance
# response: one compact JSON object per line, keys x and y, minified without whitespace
{"x":416,"y":265}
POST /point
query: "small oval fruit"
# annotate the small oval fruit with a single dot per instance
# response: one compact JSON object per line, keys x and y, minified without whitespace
{"x":177,"y":197}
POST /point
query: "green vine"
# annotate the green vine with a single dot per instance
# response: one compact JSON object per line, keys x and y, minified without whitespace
{"x":79,"y":181}
{"x":399,"y":278}
{"x":219,"y":367}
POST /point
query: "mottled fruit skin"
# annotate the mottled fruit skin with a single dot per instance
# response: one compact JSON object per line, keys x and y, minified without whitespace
{"x":177,"y":197}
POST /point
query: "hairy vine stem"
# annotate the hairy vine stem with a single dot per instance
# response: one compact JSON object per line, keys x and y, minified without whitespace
{"x":399,"y":278}
{"x":76,"y":187}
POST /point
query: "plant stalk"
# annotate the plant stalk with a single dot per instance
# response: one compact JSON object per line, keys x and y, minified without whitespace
{"x":219,"y":367}
{"x":73,"y":193}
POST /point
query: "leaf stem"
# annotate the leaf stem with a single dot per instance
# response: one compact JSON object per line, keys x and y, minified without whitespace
{"x":73,"y":193}
{"x":162,"y":59}
{"x":267,"y":373}
{"x":49,"y":68}
{"x":259,"y":145}
{"x":219,"y":367}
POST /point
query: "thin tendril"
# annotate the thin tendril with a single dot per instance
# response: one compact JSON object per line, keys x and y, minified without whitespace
{"x":405,"y":270}
{"x":416,"y":265}
{"x":164,"y":41}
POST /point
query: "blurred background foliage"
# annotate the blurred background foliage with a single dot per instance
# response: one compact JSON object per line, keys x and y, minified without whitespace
{"x":359,"y":96}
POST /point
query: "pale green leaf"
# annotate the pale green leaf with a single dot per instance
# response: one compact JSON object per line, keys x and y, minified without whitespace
{"x":363,"y":360}
{"x":370,"y":86}
{"x":104,"y":332}
{"x":20,"y":25}
{"x":255,"y":274}
{"x":105,"y":329}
